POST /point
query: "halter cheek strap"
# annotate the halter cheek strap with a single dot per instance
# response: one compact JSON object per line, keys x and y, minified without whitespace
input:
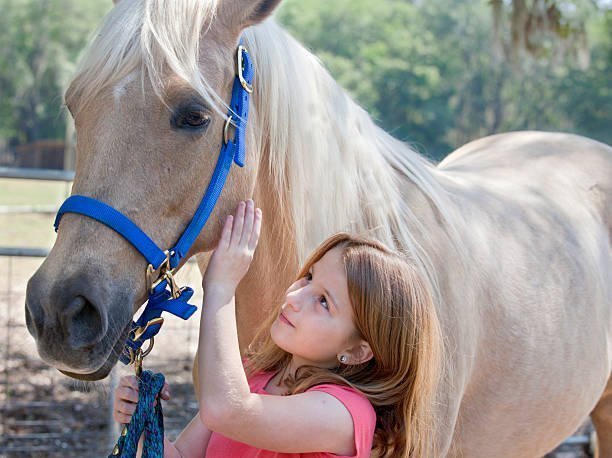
{"x":164,"y":295}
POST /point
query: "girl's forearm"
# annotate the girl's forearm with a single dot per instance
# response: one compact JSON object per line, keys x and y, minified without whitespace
{"x":224,"y":389}
{"x":191,"y":442}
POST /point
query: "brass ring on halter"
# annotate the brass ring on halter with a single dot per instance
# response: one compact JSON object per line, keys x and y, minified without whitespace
{"x":149,"y":348}
{"x":131,"y":354}
{"x":228,"y":124}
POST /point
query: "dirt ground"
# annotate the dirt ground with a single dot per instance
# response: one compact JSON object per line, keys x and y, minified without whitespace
{"x":45,"y":414}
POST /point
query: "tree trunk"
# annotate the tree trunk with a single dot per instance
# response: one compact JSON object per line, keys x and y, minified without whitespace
{"x":518,"y":43}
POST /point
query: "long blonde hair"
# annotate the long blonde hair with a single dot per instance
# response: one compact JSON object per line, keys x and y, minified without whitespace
{"x":394,"y":312}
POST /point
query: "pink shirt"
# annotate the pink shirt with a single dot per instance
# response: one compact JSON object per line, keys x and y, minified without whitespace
{"x":364,"y":421}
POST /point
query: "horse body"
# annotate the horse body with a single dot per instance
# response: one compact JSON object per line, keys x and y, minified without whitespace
{"x":512,"y":231}
{"x":535,"y":298}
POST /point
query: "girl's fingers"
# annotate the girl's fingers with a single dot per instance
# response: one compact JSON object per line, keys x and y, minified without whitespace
{"x":254,"y":236}
{"x":122,"y":418}
{"x":165,"y":392}
{"x":126,"y":393}
{"x":129,"y":381}
{"x":238,"y":223}
{"x":247,"y":227}
{"x":226,"y":233}
{"x":125,"y":407}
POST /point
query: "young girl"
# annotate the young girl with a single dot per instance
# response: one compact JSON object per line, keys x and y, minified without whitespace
{"x":348,"y":364}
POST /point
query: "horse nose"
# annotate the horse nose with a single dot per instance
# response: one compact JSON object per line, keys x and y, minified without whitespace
{"x":83,"y":323}
{"x":34,"y":319}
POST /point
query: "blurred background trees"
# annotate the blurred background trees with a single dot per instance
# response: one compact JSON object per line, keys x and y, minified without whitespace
{"x":439,"y":73}
{"x":39,"y":44}
{"x":436,"y":73}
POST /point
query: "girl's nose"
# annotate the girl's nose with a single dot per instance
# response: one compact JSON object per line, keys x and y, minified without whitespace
{"x":293,"y":300}
{"x":297,"y":285}
{"x":296,"y":296}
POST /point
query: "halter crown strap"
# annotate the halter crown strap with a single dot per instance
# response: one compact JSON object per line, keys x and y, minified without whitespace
{"x":233,"y":149}
{"x":160,"y":299}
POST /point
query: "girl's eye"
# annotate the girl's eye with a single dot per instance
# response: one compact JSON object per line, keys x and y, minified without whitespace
{"x":308,"y":276}
{"x":323,"y":302}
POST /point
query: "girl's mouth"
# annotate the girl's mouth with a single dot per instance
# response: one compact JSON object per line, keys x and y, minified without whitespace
{"x":284,"y":319}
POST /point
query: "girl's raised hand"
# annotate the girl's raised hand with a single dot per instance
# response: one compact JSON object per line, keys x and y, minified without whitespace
{"x":234,"y":253}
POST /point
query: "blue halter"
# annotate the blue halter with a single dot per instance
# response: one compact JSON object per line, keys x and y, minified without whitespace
{"x":164,"y":295}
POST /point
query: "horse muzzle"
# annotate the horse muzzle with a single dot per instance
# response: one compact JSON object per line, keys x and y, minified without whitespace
{"x":78,"y":324}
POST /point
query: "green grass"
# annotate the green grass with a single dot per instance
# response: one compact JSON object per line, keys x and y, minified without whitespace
{"x":28,"y":229}
{"x":32,"y":192}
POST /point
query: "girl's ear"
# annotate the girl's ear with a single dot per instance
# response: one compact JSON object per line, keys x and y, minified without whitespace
{"x":360,"y":353}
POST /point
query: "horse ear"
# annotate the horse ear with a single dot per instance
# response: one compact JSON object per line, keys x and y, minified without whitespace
{"x":262,"y":9}
{"x":240,"y":14}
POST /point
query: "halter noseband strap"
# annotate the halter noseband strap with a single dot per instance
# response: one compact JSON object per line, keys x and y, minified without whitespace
{"x":164,"y":295}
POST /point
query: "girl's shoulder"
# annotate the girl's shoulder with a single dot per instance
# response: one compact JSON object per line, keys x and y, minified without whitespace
{"x":353,"y":399}
{"x":361,"y":411}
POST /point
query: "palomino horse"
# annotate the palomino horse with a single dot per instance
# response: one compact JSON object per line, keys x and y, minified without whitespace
{"x":513,"y":231}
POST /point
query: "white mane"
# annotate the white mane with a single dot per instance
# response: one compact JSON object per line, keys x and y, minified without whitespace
{"x":333,"y":167}
{"x":340,"y":170}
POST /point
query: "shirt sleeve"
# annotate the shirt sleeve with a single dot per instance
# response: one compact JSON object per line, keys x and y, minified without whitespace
{"x":362,"y":412}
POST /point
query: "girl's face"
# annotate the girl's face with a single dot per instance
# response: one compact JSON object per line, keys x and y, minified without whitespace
{"x":315,"y":324}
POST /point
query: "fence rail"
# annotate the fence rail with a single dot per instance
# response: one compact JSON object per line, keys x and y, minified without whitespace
{"x":36,"y":174}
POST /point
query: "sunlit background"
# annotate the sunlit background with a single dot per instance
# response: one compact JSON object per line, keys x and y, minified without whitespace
{"x":434,"y":73}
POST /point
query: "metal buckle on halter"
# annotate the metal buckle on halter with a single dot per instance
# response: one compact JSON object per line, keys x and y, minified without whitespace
{"x":136,"y":357}
{"x":138,"y":332}
{"x":175,"y":290}
{"x":163,"y":272}
{"x":245,"y":84}
{"x":155,"y":276}
{"x":138,"y":353}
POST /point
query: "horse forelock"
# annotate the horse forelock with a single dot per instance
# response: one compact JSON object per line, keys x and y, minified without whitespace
{"x":151,"y":37}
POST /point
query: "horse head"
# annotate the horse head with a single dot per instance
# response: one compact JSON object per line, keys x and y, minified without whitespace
{"x":149,"y":104}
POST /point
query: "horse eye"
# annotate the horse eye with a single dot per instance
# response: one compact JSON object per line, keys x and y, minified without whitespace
{"x":191,"y":118}
{"x":196,"y":119}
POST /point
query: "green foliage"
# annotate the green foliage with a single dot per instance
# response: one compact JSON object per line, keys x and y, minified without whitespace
{"x":39,"y":44}
{"x":427,"y":71}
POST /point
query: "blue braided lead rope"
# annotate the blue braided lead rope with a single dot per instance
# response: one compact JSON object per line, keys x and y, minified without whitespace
{"x":147,"y":418}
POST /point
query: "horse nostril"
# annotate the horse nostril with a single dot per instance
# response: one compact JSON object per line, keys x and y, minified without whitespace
{"x":83,"y":323}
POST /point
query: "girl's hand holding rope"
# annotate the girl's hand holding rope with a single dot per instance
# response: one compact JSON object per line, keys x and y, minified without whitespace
{"x":126,"y":398}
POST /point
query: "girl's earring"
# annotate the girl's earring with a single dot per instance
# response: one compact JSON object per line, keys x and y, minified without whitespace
{"x":343,"y":359}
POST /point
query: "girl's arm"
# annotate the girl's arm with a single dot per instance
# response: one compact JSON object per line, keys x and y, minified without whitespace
{"x":307,"y":422}
{"x":191,"y":442}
